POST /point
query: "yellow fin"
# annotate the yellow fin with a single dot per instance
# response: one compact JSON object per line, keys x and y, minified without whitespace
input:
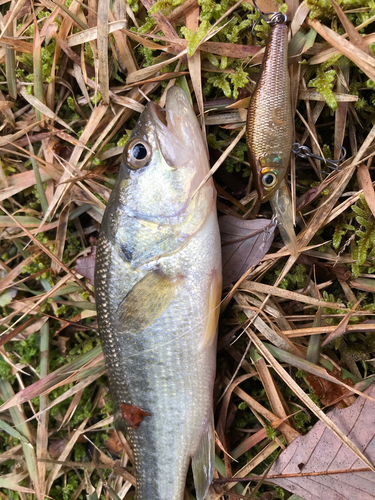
{"x":146,"y":301}
{"x":203,"y":461}
{"x":213,"y":311}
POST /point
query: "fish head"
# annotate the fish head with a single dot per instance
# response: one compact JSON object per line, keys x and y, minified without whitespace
{"x":164,"y":160}
{"x":271,"y":169}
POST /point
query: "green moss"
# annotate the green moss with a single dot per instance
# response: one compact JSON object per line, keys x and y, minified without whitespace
{"x":365,"y":244}
{"x":194,"y":37}
{"x":6,"y":371}
{"x":165,"y":5}
{"x":63,"y":490}
{"x":228,"y":81}
{"x":27,"y":349}
{"x":340,"y":231}
{"x":302,"y":420}
{"x":147,"y":26}
{"x":324,"y":8}
{"x":297,"y":278}
{"x":134,"y":5}
{"x":73,"y":246}
{"x":239,"y":81}
{"x":280,"y":493}
{"x":270,"y":432}
{"x":324,"y":83}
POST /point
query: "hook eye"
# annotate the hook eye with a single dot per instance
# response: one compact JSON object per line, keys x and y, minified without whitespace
{"x":305,"y":152}
{"x":137,"y":153}
{"x":271,"y":18}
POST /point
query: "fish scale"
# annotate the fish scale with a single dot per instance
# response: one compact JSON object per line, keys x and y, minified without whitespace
{"x":158,"y":284}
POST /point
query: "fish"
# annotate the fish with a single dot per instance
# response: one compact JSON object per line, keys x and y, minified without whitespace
{"x":269,"y":130}
{"x":158,"y":282}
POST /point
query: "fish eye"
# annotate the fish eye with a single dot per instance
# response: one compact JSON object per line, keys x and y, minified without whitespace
{"x":137,"y":154}
{"x":269,"y":180}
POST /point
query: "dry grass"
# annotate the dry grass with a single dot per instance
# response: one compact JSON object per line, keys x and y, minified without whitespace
{"x":63,"y":123}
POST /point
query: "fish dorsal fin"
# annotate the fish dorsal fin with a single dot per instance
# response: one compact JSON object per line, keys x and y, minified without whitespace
{"x":146,"y":301}
{"x":203,"y":462}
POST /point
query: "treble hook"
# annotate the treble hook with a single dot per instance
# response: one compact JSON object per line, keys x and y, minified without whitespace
{"x":305,"y":152}
{"x":273,"y":19}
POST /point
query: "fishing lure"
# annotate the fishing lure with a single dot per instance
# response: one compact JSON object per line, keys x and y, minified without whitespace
{"x":269,"y":128}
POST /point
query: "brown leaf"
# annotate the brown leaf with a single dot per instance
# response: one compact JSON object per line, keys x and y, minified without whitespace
{"x":341,"y":273}
{"x":320,"y":453}
{"x":86,"y":265}
{"x":312,"y":194}
{"x":133,"y":415}
{"x":327,"y":391}
{"x":244,"y":244}
{"x":113,"y":443}
{"x":56,"y":447}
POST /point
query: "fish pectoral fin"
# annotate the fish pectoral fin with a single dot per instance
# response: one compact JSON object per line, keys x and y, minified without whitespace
{"x":146,"y":301}
{"x":203,"y":462}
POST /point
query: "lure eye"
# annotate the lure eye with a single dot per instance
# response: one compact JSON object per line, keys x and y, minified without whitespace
{"x":269,"y":180}
{"x":137,"y":154}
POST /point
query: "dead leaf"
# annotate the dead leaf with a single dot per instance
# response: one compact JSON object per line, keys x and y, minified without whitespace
{"x":133,"y":415}
{"x":56,"y":447}
{"x":86,"y":265}
{"x":113,"y":443}
{"x":312,"y":194}
{"x":244,"y":244}
{"x":327,"y":391}
{"x":320,"y":453}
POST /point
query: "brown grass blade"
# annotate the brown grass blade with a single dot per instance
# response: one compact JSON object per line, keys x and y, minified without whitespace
{"x":289,"y":433}
{"x":103,"y":6}
{"x":286,"y":294}
{"x":365,"y":62}
{"x":60,"y":237}
{"x":42,"y":429}
{"x":353,"y":34}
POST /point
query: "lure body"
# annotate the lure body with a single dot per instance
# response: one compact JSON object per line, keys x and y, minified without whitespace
{"x":158,"y":286}
{"x":269,"y":133}
{"x":269,"y":119}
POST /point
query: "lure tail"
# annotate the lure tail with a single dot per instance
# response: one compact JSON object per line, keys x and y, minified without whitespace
{"x":282,"y":207}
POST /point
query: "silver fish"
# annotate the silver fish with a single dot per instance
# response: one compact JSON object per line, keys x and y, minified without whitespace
{"x":158,"y":288}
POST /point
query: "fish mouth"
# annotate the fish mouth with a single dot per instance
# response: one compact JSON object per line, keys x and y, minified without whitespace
{"x":158,"y":114}
{"x":177,"y":130}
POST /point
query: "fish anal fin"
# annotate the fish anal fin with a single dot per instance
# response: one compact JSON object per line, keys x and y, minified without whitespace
{"x":213,"y":310}
{"x":146,"y":301}
{"x":203,"y":461}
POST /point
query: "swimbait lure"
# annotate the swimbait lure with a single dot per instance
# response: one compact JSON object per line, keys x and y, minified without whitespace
{"x":158,"y":287}
{"x":269,"y":128}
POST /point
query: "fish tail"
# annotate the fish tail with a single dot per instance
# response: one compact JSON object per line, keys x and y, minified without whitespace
{"x":203,"y":461}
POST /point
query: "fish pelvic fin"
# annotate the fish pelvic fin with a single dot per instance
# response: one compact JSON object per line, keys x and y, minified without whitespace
{"x":203,"y":462}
